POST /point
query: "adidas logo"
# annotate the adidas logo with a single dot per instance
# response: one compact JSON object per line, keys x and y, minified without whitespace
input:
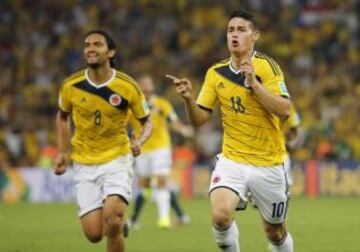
{"x":83,"y":100}
{"x":220,"y":85}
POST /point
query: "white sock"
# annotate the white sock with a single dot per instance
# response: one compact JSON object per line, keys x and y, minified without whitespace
{"x":286,"y":245}
{"x":162,"y":200}
{"x":228,"y":239}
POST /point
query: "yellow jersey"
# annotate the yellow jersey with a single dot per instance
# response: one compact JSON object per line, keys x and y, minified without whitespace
{"x":161,"y":113}
{"x":99,"y":114}
{"x":251,"y":135}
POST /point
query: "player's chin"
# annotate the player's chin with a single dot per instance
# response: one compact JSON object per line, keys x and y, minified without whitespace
{"x":93,"y":65}
{"x":235,"y":50}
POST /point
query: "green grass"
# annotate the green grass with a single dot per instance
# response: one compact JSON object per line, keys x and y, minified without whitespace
{"x":325,"y":224}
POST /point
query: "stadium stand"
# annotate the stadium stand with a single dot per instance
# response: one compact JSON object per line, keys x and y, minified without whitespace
{"x":316,"y":44}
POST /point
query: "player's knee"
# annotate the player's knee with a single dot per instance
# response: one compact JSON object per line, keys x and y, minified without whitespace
{"x":275,"y":233}
{"x":113,"y":224}
{"x":222,"y":217}
{"x":94,"y":236}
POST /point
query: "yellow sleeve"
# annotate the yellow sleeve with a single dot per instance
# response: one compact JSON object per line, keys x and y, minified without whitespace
{"x":132,"y":121}
{"x":207,"y":97}
{"x":138,"y":105}
{"x":169,"y":111}
{"x":273,"y":79}
{"x":65,"y":98}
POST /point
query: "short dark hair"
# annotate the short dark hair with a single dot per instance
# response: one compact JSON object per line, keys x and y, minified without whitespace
{"x":109,"y":41}
{"x":242,"y":13}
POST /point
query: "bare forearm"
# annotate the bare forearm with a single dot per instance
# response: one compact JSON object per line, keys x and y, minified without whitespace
{"x":275,"y":104}
{"x":196,"y":115}
{"x":63,"y":132}
{"x":182,"y":129}
{"x":176,"y":126}
{"x":146,"y":131}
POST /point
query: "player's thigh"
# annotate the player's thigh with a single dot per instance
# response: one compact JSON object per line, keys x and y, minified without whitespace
{"x":88,"y":192}
{"x":269,"y":190}
{"x":117,"y":178}
{"x":228,"y":188}
{"x":223,"y":203}
{"x":232,"y":176}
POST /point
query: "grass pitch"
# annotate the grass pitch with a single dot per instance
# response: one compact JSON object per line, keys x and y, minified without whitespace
{"x":325,"y":224}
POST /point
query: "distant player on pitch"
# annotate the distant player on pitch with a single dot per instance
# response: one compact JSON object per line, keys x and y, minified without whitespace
{"x":156,"y":158}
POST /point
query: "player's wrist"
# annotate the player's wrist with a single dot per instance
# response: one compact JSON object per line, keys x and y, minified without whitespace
{"x":190,"y":100}
{"x":254,"y":85}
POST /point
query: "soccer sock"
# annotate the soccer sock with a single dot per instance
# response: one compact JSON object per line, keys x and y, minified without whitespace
{"x":162,"y":200}
{"x":285,"y":245}
{"x":227,"y":239}
{"x":175,"y":204}
{"x":139,"y":203}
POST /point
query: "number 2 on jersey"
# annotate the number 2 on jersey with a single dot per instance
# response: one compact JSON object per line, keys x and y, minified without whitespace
{"x":97,"y":117}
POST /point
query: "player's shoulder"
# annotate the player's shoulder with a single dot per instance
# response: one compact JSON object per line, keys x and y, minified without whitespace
{"x":266,"y":62}
{"x":262,"y":56}
{"x":128,"y":79}
{"x":221,"y":63}
{"x":160,"y":100}
{"x":75,"y":78}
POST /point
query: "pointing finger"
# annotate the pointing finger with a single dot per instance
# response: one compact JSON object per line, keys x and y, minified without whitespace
{"x":173,"y":78}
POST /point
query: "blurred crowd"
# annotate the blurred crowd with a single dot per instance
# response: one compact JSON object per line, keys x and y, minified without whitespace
{"x":316,"y":43}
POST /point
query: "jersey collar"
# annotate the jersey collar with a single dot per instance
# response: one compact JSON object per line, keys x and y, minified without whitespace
{"x":238,"y":71}
{"x":103,"y":84}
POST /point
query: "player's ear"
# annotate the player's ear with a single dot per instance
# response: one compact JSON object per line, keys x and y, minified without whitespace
{"x":111,"y":53}
{"x":256,"y":35}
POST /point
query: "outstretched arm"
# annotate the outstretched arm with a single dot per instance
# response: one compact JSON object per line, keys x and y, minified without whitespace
{"x":184,"y":89}
{"x":182,"y":129}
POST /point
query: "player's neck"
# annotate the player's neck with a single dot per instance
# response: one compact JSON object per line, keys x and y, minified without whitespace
{"x":99,"y":75}
{"x":236,"y":59}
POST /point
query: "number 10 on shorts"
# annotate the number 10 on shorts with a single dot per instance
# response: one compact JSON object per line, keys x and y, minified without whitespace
{"x":278,"y":209}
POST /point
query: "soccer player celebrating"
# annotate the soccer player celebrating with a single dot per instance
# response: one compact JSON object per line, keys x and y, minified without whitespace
{"x":98,"y":99}
{"x":156,"y":158}
{"x":250,"y":88}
